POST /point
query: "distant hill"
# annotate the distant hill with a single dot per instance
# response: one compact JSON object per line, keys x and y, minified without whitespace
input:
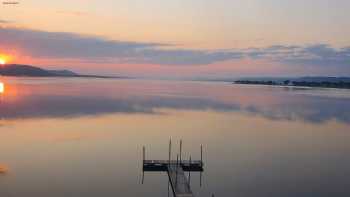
{"x":19,"y":70}
{"x":63,"y":73}
{"x":32,"y":71}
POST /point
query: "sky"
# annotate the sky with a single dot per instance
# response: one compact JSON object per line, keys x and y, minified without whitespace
{"x":180,"y":38}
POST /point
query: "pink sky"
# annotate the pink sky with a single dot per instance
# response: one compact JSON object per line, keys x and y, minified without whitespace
{"x":181,"y":38}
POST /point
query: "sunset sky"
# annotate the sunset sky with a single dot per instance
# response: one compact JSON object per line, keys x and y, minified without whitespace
{"x":180,"y":38}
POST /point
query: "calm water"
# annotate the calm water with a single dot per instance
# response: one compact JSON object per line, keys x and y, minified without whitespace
{"x":84,"y":137}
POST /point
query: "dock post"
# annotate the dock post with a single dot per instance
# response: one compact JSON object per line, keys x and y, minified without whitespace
{"x":169,"y":151}
{"x":176,"y":168}
{"x":180,"y":151}
{"x":143,"y":163}
{"x":189,"y":171}
{"x":201,"y":154}
{"x":200,"y":175}
{"x":143,"y":154}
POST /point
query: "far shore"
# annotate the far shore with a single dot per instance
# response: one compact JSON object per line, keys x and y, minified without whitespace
{"x":288,"y":83}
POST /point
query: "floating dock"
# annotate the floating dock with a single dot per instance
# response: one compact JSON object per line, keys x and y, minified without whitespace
{"x":175,"y":169}
{"x":162,"y":165}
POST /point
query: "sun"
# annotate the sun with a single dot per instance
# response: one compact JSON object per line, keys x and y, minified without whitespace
{"x":5,"y":58}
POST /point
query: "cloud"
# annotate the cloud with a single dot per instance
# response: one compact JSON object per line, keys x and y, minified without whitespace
{"x":60,"y":45}
{"x":185,"y":57}
{"x":318,"y":54}
{"x":41,"y":44}
{"x":73,"y":13}
{"x":4,"y":21}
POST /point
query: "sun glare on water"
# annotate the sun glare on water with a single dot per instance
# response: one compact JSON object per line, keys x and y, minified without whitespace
{"x":2,"y":87}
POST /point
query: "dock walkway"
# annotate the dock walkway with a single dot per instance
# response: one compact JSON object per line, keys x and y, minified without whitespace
{"x":178,"y":181}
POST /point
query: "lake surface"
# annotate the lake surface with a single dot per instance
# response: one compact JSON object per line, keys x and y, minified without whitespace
{"x":84,"y":137}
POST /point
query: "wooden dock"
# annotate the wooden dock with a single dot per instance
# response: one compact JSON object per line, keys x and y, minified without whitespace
{"x":162,"y":165}
{"x":176,"y":171}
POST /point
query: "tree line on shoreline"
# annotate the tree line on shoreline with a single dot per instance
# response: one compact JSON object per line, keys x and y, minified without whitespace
{"x":322,"y":84}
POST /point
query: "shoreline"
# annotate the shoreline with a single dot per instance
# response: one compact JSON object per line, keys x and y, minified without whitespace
{"x":294,"y":86}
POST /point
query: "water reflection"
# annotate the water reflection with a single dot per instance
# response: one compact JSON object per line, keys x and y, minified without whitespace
{"x":2,"y":87}
{"x":3,"y":169}
{"x":30,"y":98}
{"x":61,"y":139}
{"x":244,"y":155}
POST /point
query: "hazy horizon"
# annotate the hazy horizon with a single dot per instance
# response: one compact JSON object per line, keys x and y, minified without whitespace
{"x":203,"y":77}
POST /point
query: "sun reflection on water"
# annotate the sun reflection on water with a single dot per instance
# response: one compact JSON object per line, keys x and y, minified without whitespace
{"x":3,"y":169}
{"x":2,"y":87}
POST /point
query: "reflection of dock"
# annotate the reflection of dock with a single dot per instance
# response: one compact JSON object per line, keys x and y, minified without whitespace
{"x":176,"y":169}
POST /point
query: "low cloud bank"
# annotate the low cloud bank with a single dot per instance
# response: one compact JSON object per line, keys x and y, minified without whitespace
{"x":56,"y":45}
